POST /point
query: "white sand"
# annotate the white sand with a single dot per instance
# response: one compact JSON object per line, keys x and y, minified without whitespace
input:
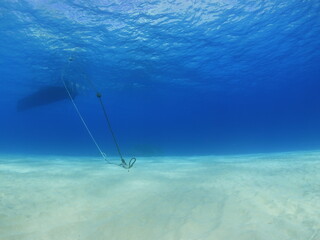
{"x":271,"y":197}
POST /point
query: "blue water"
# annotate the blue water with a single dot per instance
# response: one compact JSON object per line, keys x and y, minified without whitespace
{"x":177,"y":77}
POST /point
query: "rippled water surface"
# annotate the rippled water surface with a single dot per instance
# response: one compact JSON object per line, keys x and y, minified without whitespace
{"x":178,"y":77}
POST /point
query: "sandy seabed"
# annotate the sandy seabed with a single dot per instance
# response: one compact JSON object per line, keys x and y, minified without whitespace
{"x":245,"y":197}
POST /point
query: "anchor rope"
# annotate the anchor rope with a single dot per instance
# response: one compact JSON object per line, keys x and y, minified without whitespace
{"x":99,"y":96}
{"x":123,"y":162}
{"x":109,"y":126}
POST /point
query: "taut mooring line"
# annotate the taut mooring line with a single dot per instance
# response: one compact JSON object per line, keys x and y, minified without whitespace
{"x":123,"y":163}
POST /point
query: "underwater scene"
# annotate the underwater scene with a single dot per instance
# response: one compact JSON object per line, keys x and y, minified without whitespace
{"x":159,"y":120}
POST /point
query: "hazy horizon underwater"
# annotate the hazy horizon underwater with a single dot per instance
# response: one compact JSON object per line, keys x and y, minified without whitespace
{"x":169,"y":120}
